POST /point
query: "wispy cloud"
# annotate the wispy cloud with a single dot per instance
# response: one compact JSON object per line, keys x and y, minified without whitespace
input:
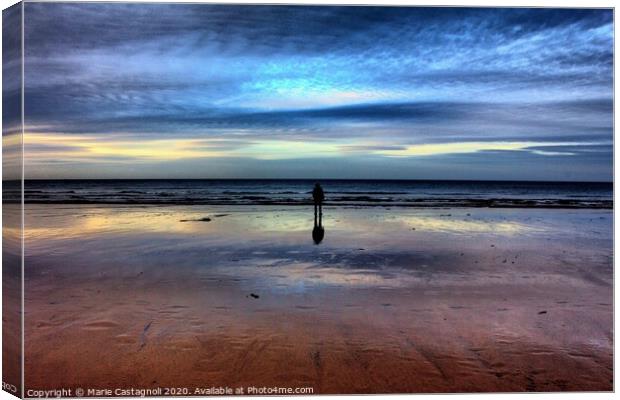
{"x":169,"y":82}
{"x":475,"y":147}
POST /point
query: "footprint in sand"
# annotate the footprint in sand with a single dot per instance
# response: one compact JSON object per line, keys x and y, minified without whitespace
{"x":99,"y":325}
{"x":125,"y":339}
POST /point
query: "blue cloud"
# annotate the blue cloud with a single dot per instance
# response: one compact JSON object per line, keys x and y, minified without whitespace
{"x":363,"y":74}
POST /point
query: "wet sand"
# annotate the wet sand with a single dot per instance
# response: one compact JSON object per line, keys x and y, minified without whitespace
{"x":392,"y":301}
{"x":11,"y":298}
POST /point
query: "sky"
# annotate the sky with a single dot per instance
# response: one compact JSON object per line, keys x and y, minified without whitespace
{"x":214,"y":91}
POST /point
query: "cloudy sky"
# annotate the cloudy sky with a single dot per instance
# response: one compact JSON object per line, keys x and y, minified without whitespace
{"x":202,"y":91}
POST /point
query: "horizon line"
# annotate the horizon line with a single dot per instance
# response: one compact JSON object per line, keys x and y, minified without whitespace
{"x":313,"y":179}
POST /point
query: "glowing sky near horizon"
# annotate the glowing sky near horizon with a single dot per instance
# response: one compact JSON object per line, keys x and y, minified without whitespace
{"x":206,"y":91}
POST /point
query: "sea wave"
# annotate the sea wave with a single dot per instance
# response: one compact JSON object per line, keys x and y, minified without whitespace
{"x":348,"y":201}
{"x":298,"y":192}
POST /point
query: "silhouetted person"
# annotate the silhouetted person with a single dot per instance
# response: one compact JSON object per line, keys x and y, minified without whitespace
{"x":318,"y":233}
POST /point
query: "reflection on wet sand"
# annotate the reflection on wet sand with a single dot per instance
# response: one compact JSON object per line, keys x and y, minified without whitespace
{"x":73,"y":222}
{"x":318,"y":232}
{"x":394,"y":301}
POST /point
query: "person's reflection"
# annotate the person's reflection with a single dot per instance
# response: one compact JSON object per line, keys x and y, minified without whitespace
{"x":318,"y":233}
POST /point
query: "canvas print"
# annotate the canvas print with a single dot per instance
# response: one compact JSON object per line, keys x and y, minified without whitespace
{"x":204,"y":199}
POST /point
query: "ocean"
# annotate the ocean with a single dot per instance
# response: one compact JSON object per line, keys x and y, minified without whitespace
{"x":351,"y":193}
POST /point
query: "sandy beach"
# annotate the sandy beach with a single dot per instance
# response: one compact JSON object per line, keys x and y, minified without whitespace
{"x":11,"y":297}
{"x":393,"y":300}
{"x":295,"y":199}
